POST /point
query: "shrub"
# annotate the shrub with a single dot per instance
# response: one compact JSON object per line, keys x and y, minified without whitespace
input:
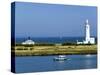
{"x":68,"y":43}
{"x":44,"y":44}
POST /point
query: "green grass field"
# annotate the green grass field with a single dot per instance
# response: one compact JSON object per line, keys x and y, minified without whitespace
{"x":21,"y":50}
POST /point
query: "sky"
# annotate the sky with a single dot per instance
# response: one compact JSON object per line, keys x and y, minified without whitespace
{"x":53,"y":20}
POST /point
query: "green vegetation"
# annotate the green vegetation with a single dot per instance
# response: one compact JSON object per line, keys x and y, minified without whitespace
{"x":53,"y":49}
{"x":68,"y":43}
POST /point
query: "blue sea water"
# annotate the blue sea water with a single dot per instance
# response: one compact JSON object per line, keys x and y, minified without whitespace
{"x":46,"y":63}
{"x":52,"y":39}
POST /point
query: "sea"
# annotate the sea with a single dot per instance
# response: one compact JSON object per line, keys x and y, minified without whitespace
{"x":52,"y":39}
{"x":46,"y":63}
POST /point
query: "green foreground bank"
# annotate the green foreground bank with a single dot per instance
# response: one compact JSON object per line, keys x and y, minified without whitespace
{"x":33,"y":50}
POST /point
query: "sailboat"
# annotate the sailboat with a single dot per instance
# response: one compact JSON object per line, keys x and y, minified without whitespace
{"x":60,"y":58}
{"x":88,"y":55}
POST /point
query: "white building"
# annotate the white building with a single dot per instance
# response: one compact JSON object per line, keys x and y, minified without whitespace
{"x":29,"y":41}
{"x":88,"y":39}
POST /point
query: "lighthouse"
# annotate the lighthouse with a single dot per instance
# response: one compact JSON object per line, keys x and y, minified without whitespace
{"x":87,"y":31}
{"x":88,"y":38}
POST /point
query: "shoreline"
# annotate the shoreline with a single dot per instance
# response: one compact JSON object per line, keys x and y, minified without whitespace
{"x":52,"y":55}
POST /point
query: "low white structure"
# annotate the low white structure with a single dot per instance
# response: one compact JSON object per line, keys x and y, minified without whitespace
{"x":88,"y":39}
{"x":29,"y":41}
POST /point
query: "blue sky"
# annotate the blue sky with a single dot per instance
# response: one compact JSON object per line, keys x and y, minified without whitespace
{"x":53,"y":20}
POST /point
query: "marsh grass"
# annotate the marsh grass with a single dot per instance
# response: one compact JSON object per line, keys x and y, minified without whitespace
{"x":52,"y":49}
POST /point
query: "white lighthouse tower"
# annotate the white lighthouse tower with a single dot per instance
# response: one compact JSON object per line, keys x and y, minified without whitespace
{"x":87,"y":32}
{"x":88,"y":38}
